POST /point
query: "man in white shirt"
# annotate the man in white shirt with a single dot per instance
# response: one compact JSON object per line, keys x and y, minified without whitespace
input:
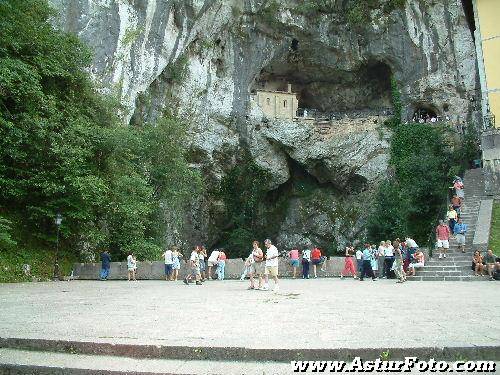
{"x":389,"y":258}
{"x":194,"y":262}
{"x":212,"y":262}
{"x":169,"y":261}
{"x":271,"y":265}
{"x":359,"y":261}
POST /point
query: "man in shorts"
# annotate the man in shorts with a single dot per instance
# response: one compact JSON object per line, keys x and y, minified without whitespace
{"x":442,"y":238}
{"x":460,"y":230}
{"x":271,"y":265}
{"x":489,"y":260}
{"x":194,"y":263}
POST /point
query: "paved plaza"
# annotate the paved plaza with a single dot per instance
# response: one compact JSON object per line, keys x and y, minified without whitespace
{"x":305,"y":314}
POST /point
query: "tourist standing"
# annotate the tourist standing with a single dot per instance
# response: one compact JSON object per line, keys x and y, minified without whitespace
{"x":105,"y":265}
{"x":131,"y":267}
{"x":459,"y":188}
{"x":256,"y":265}
{"x":194,"y":264}
{"x":388,"y":258}
{"x":176,"y":263}
{"x":202,"y":255}
{"x":271,"y":265}
{"x":457,"y":204}
{"x":359,"y":261}
{"x":294,"y":260}
{"x":349,"y":263}
{"x":460,"y":229}
{"x":169,"y":261}
{"x":381,"y":259}
{"x":315,"y":260}
{"x":452,"y":217}
{"x":442,"y":238}
{"x":306,"y":259}
{"x":367,"y":257}
{"x":398,"y":262}
{"x":221,"y":265}
{"x":374,"y":260}
{"x":213,"y":260}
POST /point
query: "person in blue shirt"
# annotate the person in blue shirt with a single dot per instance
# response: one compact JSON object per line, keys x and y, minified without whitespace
{"x":367,"y":260}
{"x":459,"y":231}
{"x":106,"y":263}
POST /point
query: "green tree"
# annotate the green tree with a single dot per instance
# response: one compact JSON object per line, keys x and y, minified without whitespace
{"x":63,"y":148}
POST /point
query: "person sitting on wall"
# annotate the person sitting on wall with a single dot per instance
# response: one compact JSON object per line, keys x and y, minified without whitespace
{"x":477,"y":263}
{"x":490,"y":260}
{"x":418,"y":262}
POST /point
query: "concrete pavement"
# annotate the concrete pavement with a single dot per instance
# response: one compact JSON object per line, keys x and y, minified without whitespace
{"x":304,"y":315}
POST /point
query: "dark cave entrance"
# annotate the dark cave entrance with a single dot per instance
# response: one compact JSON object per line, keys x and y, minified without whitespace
{"x":424,"y":114}
{"x":328,"y":92}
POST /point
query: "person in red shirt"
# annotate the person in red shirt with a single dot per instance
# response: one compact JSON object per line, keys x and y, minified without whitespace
{"x":316,"y":259}
{"x":442,"y":238}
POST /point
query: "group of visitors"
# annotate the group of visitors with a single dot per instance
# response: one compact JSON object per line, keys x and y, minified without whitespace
{"x":388,"y":260}
{"x":489,"y":264}
{"x":307,"y":258}
{"x":198,"y":268}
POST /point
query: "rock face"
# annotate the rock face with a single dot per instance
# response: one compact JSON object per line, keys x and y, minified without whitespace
{"x":203,"y":59}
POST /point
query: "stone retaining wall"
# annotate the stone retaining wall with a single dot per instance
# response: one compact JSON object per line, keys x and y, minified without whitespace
{"x":156,"y":270}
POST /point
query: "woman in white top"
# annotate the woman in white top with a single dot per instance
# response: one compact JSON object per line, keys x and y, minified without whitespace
{"x":131,"y":267}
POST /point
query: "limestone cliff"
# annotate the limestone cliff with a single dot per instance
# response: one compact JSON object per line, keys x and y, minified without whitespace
{"x":204,"y":59}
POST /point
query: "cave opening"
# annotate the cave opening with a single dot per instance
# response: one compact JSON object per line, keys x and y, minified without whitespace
{"x":323,"y":92}
{"x":424,"y":114}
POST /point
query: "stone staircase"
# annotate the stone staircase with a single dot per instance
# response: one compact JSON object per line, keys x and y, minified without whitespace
{"x":457,"y":265}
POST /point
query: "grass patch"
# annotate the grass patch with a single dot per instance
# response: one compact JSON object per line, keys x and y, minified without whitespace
{"x":495,"y":229}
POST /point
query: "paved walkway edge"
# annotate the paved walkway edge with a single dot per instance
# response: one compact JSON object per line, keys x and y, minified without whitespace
{"x":45,"y":370}
{"x":248,"y":354}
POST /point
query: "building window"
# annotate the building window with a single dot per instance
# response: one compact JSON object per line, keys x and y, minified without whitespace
{"x":284,"y":103}
{"x":268,"y":101}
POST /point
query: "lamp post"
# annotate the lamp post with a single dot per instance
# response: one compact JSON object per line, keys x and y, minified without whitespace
{"x":58,"y":222}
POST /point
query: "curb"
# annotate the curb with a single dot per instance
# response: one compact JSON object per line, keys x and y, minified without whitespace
{"x":248,"y":354}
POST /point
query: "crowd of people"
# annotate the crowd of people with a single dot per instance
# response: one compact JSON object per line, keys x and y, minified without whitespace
{"x":391,"y":259}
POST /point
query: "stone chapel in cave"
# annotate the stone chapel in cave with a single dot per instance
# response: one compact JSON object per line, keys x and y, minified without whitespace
{"x":276,"y":103}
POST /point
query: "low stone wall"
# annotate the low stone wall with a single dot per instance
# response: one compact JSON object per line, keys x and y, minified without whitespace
{"x":156,"y":270}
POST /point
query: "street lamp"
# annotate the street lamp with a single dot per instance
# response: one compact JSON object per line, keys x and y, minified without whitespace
{"x":58,"y":222}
